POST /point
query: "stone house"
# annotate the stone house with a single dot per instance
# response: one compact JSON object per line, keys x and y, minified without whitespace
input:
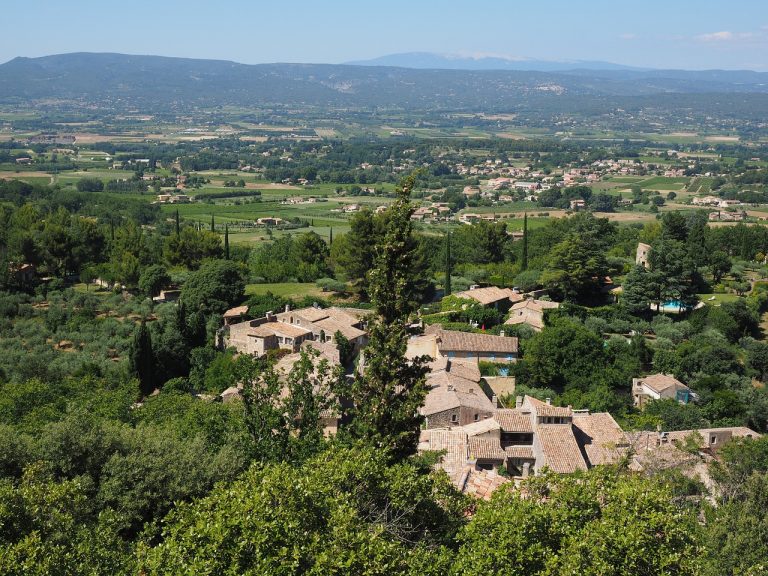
{"x":658,"y":387}
{"x":530,"y":312}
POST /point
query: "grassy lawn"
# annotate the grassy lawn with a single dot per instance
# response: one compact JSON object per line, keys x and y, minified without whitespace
{"x":286,"y":289}
{"x":718,"y":298}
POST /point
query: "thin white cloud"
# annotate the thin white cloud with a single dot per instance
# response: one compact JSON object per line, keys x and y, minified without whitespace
{"x":629,"y":36}
{"x":728,"y":36}
{"x":723,"y":36}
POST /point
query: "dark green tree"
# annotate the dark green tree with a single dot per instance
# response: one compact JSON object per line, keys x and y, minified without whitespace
{"x":215,"y":287}
{"x":386,"y":397}
{"x":720,"y":264}
{"x":448,"y":265}
{"x":141,"y":359}
{"x":213,"y":224}
{"x":176,"y":220}
{"x":524,"y":262}
{"x":153,"y":279}
{"x":226,"y":241}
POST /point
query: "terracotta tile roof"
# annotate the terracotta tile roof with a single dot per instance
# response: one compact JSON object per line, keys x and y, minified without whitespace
{"x":535,"y":305}
{"x":284,"y":329}
{"x":235,"y":312}
{"x":450,"y":340}
{"x":490,"y":295}
{"x":454,"y":442}
{"x":310,"y":314}
{"x":331,"y":325}
{"x":260,"y":332}
{"x":524,"y":452}
{"x":481,"y":483}
{"x":481,"y":427}
{"x":600,"y":437}
{"x":468,"y":370}
{"x":513,"y":420}
{"x":425,"y":345}
{"x":485,"y":449}
{"x":328,"y":350}
{"x":544,"y":409}
{"x":532,"y":320}
{"x":662,"y":382}
{"x":560,"y":449}
{"x":463,"y":392}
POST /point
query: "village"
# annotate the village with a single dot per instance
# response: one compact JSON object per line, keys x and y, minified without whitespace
{"x":487,"y":434}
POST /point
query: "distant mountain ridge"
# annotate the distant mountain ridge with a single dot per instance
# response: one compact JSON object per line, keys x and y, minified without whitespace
{"x":119,"y":81}
{"x":431,"y":60}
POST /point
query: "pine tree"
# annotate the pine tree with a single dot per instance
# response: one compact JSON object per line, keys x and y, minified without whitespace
{"x":226,"y":241}
{"x":524,"y":264}
{"x":387,"y":396}
{"x":141,"y":359}
{"x":448,"y":265}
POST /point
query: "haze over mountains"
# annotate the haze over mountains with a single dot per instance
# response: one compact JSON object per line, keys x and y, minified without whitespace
{"x":120,"y":80}
{"x":431,"y":60}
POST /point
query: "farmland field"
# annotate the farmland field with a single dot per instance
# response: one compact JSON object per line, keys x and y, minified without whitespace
{"x":285,"y":289}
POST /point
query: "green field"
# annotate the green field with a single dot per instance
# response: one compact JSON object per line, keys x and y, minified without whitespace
{"x":663,"y":183}
{"x":701,"y":185}
{"x":285,"y":289}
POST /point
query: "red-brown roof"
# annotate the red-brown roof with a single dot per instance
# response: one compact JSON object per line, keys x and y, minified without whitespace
{"x":561,"y":451}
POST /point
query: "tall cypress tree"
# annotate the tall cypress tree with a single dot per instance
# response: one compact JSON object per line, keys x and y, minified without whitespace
{"x":448,"y":265}
{"x":387,"y":396}
{"x":330,"y":240}
{"x":213,"y":225}
{"x":524,"y":264}
{"x":141,"y":359}
{"x":178,"y":228}
{"x":226,"y":241}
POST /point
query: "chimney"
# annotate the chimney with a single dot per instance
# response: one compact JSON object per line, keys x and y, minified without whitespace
{"x":548,"y":400}
{"x":518,"y":401}
{"x":495,"y":401}
{"x":450,"y":387}
{"x":471,"y":390}
{"x":287,"y":307}
{"x":501,"y":333}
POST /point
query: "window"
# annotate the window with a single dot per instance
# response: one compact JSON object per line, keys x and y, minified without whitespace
{"x":477,"y":417}
{"x":454,"y":418}
{"x":451,"y":354}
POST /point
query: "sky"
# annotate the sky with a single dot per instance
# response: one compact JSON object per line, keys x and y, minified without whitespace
{"x":688,"y":34}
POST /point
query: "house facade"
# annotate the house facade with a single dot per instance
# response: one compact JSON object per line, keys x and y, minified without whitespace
{"x":659,"y":387}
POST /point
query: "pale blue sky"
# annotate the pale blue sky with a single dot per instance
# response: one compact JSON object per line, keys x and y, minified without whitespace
{"x":692,"y":34}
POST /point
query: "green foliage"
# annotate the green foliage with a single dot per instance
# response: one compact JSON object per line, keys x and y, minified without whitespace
{"x":564,"y":354}
{"x":331,"y":285}
{"x":215,"y":287}
{"x":153,"y":279}
{"x":142,"y":359}
{"x":343,"y":512}
{"x":89,"y":185}
{"x":303,"y":258}
{"x":190,"y":247}
{"x":387,"y":395}
{"x":601,"y":522}
{"x":576,"y":268}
